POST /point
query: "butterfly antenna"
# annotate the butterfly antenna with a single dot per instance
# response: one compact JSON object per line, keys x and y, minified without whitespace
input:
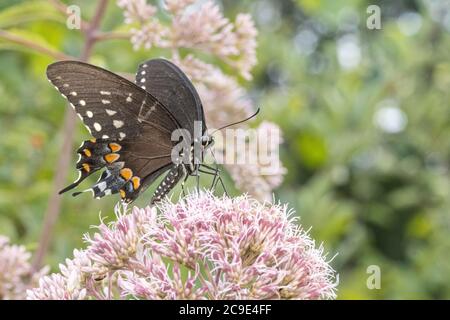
{"x":232,"y":124}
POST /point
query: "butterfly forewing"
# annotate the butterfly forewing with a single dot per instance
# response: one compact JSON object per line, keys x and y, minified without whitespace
{"x":109,"y":105}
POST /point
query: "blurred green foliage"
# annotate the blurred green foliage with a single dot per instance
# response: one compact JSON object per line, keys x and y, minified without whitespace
{"x":366,"y":122}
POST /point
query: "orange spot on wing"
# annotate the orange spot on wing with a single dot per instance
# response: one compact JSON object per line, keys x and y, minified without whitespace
{"x":136,"y":182}
{"x":87,"y":152}
{"x":122,"y":193}
{"x":111,"y":157}
{"x":114,"y":147}
{"x":86,"y":167}
{"x":126,"y":173}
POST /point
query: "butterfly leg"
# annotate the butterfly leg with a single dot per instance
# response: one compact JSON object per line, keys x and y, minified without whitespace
{"x":197,"y":174}
{"x":217,"y":178}
{"x":216,"y":172}
{"x":214,"y":178}
{"x":182,"y":185}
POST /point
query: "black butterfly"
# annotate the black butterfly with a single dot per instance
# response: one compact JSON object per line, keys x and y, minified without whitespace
{"x":132,"y":125}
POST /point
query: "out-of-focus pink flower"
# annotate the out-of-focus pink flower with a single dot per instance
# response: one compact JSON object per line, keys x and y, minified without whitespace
{"x":136,"y":11}
{"x":177,"y":7}
{"x":150,"y":34}
{"x":205,"y":29}
{"x":16,"y":274}
{"x":202,"y":247}
{"x":246,"y":44}
{"x":57,"y":287}
{"x":261,"y":178}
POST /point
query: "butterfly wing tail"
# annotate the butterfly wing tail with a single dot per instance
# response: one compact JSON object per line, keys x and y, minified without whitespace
{"x":74,"y":184}
{"x":94,"y":155}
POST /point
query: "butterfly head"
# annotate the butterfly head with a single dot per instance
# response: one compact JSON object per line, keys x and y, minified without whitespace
{"x":207,"y":141}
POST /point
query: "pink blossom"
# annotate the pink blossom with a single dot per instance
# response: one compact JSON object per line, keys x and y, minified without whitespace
{"x":177,"y":6}
{"x":225,"y":248}
{"x":16,"y":273}
{"x":246,"y":44}
{"x":136,"y":10}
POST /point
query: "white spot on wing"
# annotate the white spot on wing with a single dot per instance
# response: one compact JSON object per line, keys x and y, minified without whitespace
{"x":82,"y":102}
{"x":144,"y":65}
{"x":143,"y":87}
{"x":142,"y":80}
{"x":105,"y":93}
{"x":105,"y":136}
{"x":102,"y":186}
{"x":129,"y":99}
{"x":73,"y":93}
{"x":104,"y":101}
{"x":89,"y":114}
{"x":143,"y":72}
{"x":122,"y":135}
{"x":110,"y":112}
{"x":97,"y":126}
{"x":118,"y":123}
{"x":65,"y":85}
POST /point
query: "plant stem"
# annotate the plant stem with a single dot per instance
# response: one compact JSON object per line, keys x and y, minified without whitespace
{"x":101,"y":36}
{"x":34,"y":46}
{"x":54,"y":202}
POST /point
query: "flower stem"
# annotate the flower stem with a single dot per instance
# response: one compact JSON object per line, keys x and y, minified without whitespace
{"x":14,"y":38}
{"x":54,"y":201}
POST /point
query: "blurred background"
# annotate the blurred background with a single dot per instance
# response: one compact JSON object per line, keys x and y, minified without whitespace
{"x":365,"y":116}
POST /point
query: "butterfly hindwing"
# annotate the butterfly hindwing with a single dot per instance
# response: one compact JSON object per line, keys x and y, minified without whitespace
{"x":168,"y":83}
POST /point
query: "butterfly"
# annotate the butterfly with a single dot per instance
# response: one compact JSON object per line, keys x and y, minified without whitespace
{"x":132,"y":125}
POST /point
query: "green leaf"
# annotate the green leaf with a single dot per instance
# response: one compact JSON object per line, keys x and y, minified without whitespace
{"x":29,"y":11}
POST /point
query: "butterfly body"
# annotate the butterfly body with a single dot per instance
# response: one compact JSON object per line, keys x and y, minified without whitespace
{"x":132,"y":126}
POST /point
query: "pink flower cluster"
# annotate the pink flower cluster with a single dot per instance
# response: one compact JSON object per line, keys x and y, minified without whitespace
{"x":202,"y":247}
{"x":16,"y":274}
{"x":194,"y":25}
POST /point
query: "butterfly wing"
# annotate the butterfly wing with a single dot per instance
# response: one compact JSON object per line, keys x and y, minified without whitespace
{"x":132,"y":128}
{"x":168,"y":83}
{"x":175,"y":174}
